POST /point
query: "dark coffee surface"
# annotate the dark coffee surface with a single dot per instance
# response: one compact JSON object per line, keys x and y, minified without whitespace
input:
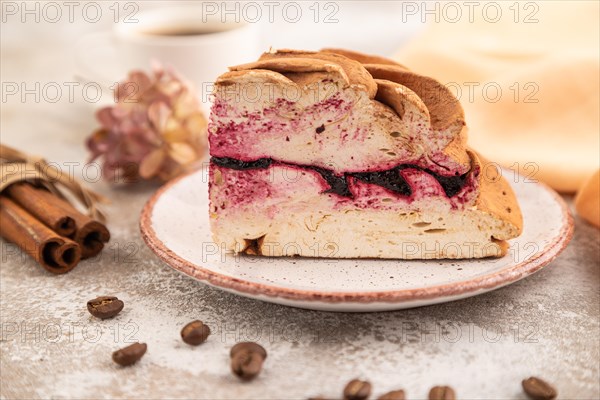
{"x":177,"y":32}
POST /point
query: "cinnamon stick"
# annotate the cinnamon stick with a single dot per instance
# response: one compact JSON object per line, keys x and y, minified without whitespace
{"x":53,"y":252}
{"x":89,"y":233}
{"x":44,"y":208}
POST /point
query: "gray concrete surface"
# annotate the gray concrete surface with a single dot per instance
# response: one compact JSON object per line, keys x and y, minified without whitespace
{"x":545,"y":325}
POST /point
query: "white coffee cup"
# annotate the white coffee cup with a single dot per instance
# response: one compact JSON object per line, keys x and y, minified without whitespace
{"x":199,"y":47}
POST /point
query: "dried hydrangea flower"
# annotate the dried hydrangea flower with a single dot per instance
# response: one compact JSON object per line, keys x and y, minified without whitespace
{"x":156,"y":129}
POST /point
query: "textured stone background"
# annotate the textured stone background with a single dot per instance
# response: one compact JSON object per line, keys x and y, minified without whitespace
{"x":50,"y":347}
{"x":545,"y":325}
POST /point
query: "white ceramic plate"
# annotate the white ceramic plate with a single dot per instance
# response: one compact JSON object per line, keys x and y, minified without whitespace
{"x":175,"y":226}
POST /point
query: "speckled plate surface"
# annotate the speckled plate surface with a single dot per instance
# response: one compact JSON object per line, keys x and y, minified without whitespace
{"x":174,"y":224}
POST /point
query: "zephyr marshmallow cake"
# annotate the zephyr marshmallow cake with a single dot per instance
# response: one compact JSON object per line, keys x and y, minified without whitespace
{"x":343,"y":155}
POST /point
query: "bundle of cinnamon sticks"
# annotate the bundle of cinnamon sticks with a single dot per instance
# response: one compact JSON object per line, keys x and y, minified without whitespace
{"x":35,"y":214}
{"x":48,"y":228}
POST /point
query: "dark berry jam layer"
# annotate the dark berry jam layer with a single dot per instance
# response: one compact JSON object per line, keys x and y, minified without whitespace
{"x":390,"y":179}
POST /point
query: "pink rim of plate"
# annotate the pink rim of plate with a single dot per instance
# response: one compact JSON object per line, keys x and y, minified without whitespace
{"x":490,"y":281}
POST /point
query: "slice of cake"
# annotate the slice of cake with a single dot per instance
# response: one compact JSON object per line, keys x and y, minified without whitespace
{"x":339,"y":154}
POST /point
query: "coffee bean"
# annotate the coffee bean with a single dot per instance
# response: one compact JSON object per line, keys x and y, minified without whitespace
{"x":246,"y":365}
{"x":357,"y":390}
{"x":248,"y":346}
{"x":195,"y":333}
{"x":442,"y":393}
{"x":538,"y":389}
{"x":247,"y":359}
{"x":393,"y":395}
{"x":105,"y":306}
{"x":129,"y":355}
